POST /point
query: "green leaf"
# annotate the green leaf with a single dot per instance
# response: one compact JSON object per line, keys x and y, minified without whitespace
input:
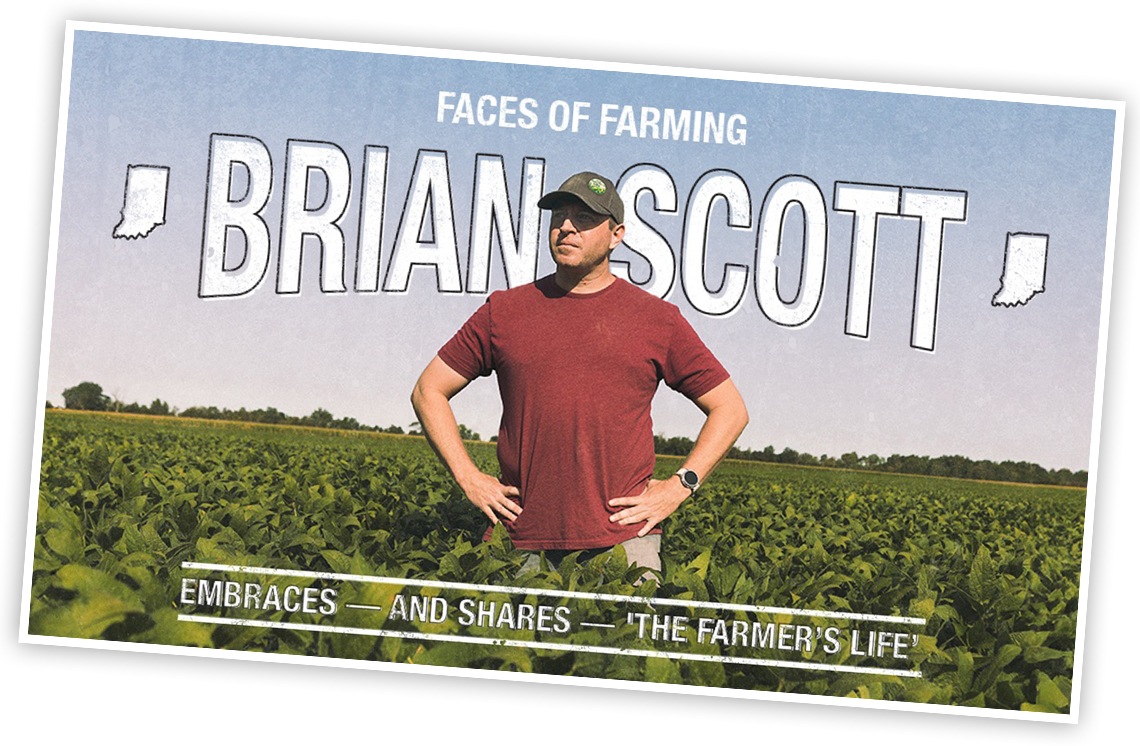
{"x":66,"y":544}
{"x":1049,"y":695}
{"x":338,"y":561}
{"x":922,"y":608}
{"x":100,"y":601}
{"x":700,"y":565}
{"x":1005,"y":656}
{"x":167,"y":630}
{"x":1039,"y":654}
{"x":458,"y":654}
{"x":663,"y":671}
{"x":706,"y":673}
{"x":924,"y":692}
{"x":982,"y":580}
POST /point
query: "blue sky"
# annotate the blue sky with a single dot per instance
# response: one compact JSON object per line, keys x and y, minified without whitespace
{"x":1002,"y":383}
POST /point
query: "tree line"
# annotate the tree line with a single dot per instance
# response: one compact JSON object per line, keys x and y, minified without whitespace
{"x":934,"y":466}
{"x":90,"y":396}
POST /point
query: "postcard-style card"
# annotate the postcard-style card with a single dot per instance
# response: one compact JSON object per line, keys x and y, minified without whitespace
{"x":434,"y":361}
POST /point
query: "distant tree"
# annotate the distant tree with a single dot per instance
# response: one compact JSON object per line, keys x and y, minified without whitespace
{"x":414,"y":428}
{"x":86,"y":395}
{"x":943,"y":466}
{"x":393,"y":429}
{"x":677,"y":446}
{"x":48,"y":404}
{"x":788,"y":456}
{"x":269,"y":415}
{"x":158,"y":406}
{"x":808,"y":460}
{"x":466,"y":433}
{"x":320,"y":418}
{"x":203,"y":413}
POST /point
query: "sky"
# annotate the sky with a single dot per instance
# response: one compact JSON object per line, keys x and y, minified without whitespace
{"x":1001,"y":383}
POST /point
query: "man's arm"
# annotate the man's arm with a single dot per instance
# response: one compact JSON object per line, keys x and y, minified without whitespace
{"x":431,"y":398}
{"x":725,"y":418}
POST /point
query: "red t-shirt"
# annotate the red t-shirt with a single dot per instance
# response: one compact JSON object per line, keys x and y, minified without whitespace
{"x":577,"y":373}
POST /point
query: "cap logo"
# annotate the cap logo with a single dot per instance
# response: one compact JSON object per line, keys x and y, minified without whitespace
{"x":597,"y":186}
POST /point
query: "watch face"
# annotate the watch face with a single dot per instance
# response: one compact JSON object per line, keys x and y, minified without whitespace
{"x":689,"y":479}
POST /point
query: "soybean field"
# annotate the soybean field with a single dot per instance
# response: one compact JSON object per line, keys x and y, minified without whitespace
{"x":125,"y":501}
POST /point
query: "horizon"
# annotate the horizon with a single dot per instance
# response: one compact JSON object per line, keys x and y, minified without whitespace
{"x":178,"y":412}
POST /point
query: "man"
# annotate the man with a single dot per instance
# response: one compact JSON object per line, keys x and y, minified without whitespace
{"x":579,"y":355}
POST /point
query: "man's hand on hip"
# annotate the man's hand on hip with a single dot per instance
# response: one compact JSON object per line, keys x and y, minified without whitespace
{"x":655,"y":504}
{"x":492,"y":496}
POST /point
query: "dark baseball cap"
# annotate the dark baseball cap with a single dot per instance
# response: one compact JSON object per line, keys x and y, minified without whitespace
{"x":598,"y":192}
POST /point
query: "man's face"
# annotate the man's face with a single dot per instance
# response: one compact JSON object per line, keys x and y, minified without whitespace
{"x":579,"y":237}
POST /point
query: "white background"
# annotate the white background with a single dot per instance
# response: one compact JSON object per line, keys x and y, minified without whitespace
{"x":101,"y":695}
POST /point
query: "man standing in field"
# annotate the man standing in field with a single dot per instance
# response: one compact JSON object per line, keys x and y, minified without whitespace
{"x":579,"y":355}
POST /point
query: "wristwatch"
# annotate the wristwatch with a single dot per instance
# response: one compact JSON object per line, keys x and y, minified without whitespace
{"x":689,"y":478}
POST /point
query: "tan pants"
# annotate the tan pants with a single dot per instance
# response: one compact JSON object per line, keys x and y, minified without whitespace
{"x":643,"y":551}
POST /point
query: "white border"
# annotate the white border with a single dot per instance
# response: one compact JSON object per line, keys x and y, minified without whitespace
{"x":1098,"y":403}
{"x":45,"y":338}
{"x":1104,"y":19}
